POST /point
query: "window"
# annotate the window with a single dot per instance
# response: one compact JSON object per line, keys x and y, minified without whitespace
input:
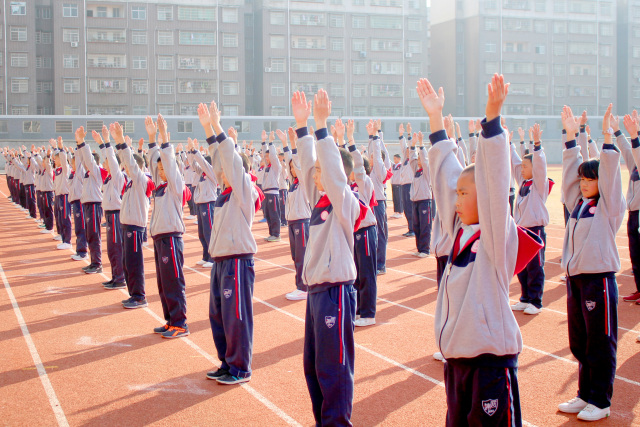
{"x":18,"y":7}
{"x":359,"y":67}
{"x":230,"y":15}
{"x":230,"y":88}
{"x":414,"y":69}
{"x":19,"y":60}
{"x":490,"y":24}
{"x":165,"y":13}
{"x":70,"y":35}
{"x":139,"y":13}
{"x":308,"y":19}
{"x":559,"y":49}
{"x":276,"y":18}
{"x":277,"y":89}
{"x":196,"y":14}
{"x":360,"y":45}
{"x":278,"y":65}
{"x":139,"y":63}
{"x":359,"y":90}
{"x":185,"y":127}
{"x":336,"y":21}
{"x":31,"y":127}
{"x":386,"y":22}
{"x":192,"y":38}
{"x":165,"y":38}
{"x":336,"y":89}
{"x":70,"y":10}
{"x":307,"y":66}
{"x":106,"y":61}
{"x":414,"y":24}
{"x":71,"y":85}
{"x":140,"y":110}
{"x":19,"y":110}
{"x":197,"y":62}
{"x":491,"y":67}
{"x":490,"y":47}
{"x":107,"y":86}
{"x":386,"y":67}
{"x":43,"y":37}
{"x":278,"y":111}
{"x":386,"y":90}
{"x":165,"y":88}
{"x":358,"y":21}
{"x":308,"y":42}
{"x":18,"y":34}
{"x":43,"y":12}
{"x":276,"y":42}
{"x":43,"y":62}
{"x":230,"y":40}
{"x":540,"y":27}
{"x":139,"y":87}
{"x":606,"y":30}
{"x":337,"y":44}
{"x":229,"y":63}
{"x":165,"y":62}
{"x":44,"y":87}
{"x":541,"y":49}
{"x":138,"y":37}
{"x":196,"y":86}
{"x":230,"y":110}
{"x":336,"y":67}
{"x":64,"y":126}
{"x":559,"y":70}
{"x":70,"y":61}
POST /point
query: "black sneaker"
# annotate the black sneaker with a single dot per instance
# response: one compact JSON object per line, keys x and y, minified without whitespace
{"x":214,"y":375}
{"x":381,"y":272}
{"x":135,"y":304}
{"x":176,"y":332}
{"x":124,"y":301}
{"x":161,"y":329}
{"x":93,"y":270}
{"x":229,"y":379}
{"x":86,"y":267}
{"x":410,"y":234}
{"x":107,"y":283}
{"x":116,"y":285}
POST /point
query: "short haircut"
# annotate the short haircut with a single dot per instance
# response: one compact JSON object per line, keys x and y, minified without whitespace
{"x":208,"y":159}
{"x":528,"y":157}
{"x":347,"y":161}
{"x":56,"y":154}
{"x":471,"y":170}
{"x":245,"y":162}
{"x":139,"y":160}
{"x":396,"y":155}
{"x":589,"y":169}
{"x":367,"y":165}
{"x":96,"y":157}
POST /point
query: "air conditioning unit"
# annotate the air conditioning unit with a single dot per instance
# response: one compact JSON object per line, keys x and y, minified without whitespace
{"x":74,"y":44}
{"x":267,"y":69}
{"x":408,"y":55}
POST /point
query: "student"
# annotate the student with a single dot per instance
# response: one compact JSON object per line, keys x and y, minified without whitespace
{"x":396,"y":187}
{"x":406,"y":176}
{"x":205,"y":198}
{"x":380,"y":166}
{"x":298,"y":214}
{"x":112,"y":189}
{"x":44,"y":178}
{"x":232,"y":248}
{"x":167,"y":228}
{"x":593,"y":194}
{"x":633,"y":199}
{"x":75,"y":192}
{"x":134,"y":212}
{"x":191,"y":179}
{"x":530,"y":211}
{"x":271,"y":187}
{"x":481,"y":372}
{"x":329,"y":269}
{"x":28,"y":181}
{"x":91,"y":199}
{"x":62,"y":186}
{"x":421,"y":197}
{"x":365,"y":236}
{"x":283,"y":185}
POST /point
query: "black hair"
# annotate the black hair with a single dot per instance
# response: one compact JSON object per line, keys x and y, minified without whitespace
{"x":396,"y":155}
{"x":96,"y":157}
{"x":208,"y":159}
{"x":139,"y":160}
{"x":384,"y":157}
{"x":589,"y":169}
{"x":528,"y":157}
{"x":245,"y":162}
{"x":347,"y":161}
{"x":471,"y":169}
{"x":367,"y":165}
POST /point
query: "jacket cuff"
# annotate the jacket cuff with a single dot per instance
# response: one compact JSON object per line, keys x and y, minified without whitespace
{"x":471,"y":135}
{"x":610,"y":147}
{"x":352,"y":148}
{"x":635,"y":142}
{"x":322,"y":133}
{"x":618,"y":133}
{"x":221,"y":137}
{"x":82,"y":145}
{"x":211,"y":140}
{"x":285,"y":149}
{"x":294,"y":151}
{"x":570,"y":144}
{"x":164,"y":145}
{"x":564,"y":131}
{"x":300,"y":132}
{"x":107,"y":145}
{"x":438,"y":136}
{"x":537,"y":147}
{"x":152,"y":145}
{"x":492,"y":128}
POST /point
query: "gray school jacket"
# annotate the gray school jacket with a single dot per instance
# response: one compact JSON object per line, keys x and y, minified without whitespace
{"x":166,"y":216}
{"x":530,"y":209}
{"x":134,"y":209}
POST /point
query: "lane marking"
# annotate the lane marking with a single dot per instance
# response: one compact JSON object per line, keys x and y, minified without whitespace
{"x":42,"y":372}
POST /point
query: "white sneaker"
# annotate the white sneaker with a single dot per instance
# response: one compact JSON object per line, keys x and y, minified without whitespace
{"x":573,"y":406}
{"x":63,"y":246}
{"x":638,"y":339}
{"x":532,"y":309}
{"x":421,"y":254}
{"x":207,"y":265}
{"x":28,"y":216}
{"x":58,"y":238}
{"x":195,"y":222}
{"x":357,"y":316}
{"x":77,"y":257}
{"x":45,"y":231}
{"x":296,"y":295}
{"x":201,"y":262}
{"x":438,"y":356}
{"x":365,"y":321}
{"x":593,"y":413}
{"x":520,"y":306}
{"x":563,"y":279}
{"x":191,"y":217}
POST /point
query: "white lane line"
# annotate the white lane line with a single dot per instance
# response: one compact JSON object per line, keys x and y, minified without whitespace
{"x":42,"y":372}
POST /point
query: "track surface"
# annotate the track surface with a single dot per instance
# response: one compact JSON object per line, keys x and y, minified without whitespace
{"x":72,"y":355}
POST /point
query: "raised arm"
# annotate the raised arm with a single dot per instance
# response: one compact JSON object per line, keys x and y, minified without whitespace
{"x":571,"y":161}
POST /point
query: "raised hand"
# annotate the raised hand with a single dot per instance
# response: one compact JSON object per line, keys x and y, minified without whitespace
{"x":521,"y":133}
{"x":179,"y":147}
{"x":264,"y":135}
{"x":420,"y":139}
{"x":432,"y":102}
{"x":498,"y":91}
{"x":377,"y":125}
{"x":105,"y":133}
{"x":583,"y":118}
{"x":569,"y":122}
{"x":351,"y":127}
{"x":190,"y":144}
{"x":150,"y":127}
{"x":272,"y":137}
{"x":205,"y":119}
{"x":162,"y":128}
{"x":472,"y":126}
{"x":409,"y":128}
{"x":301,"y":108}
{"x":282,"y":137}
{"x":631,"y":125}
{"x":478,"y":125}
{"x":588,"y":129}
{"x":458,"y":130}
{"x":606,"y":121}
{"x":214,"y":116}
{"x":340,"y":129}
{"x":80,"y":135}
{"x":60,"y":144}
{"x":127,"y":140}
{"x":233,"y":133}
{"x":531,"y":134}
{"x":401,"y":129}
{"x":321,"y":108}
{"x":117,"y":132}
{"x":140,"y":143}
{"x":370,"y":130}
{"x":614,"y":122}
{"x":52,"y":142}
{"x":97,"y":137}
{"x":537,"y":133}
{"x":293,"y":137}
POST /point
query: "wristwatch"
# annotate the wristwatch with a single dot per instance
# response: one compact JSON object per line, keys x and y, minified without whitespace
{"x":608,"y":131}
